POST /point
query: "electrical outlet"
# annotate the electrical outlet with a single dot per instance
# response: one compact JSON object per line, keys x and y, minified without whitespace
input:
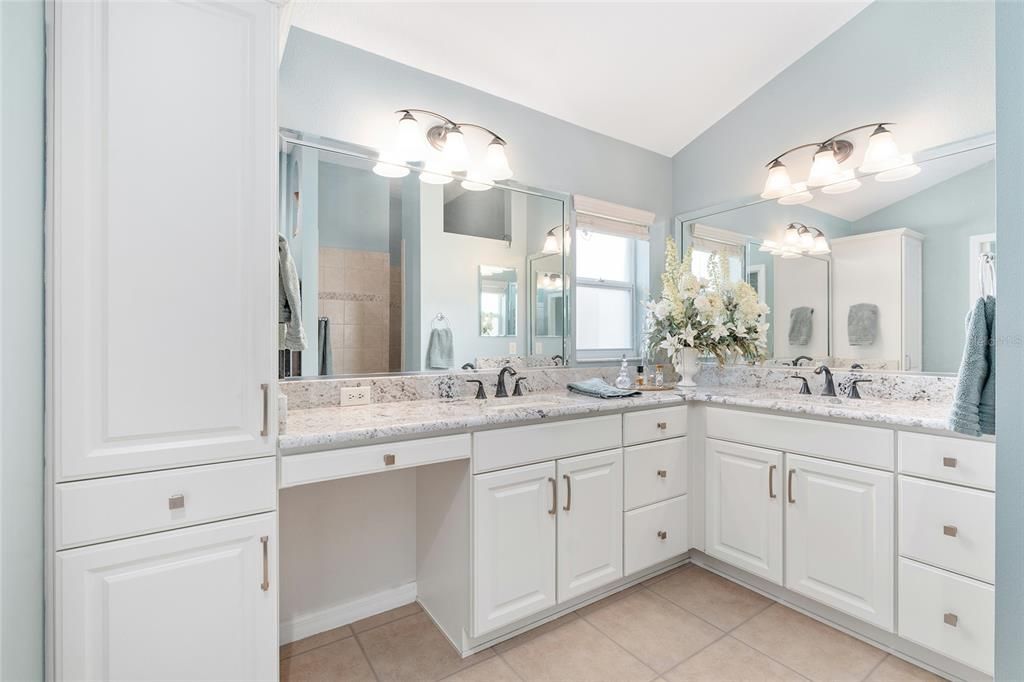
{"x":512,"y":347}
{"x":355,"y":395}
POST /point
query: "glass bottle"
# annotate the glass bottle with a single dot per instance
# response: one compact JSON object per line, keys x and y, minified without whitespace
{"x":659,"y":376}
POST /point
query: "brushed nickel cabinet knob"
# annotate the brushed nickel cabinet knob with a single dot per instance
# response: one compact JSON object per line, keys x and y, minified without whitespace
{"x":662,"y":534}
{"x":662,"y":425}
{"x":950,"y":619}
{"x":389,"y":459}
{"x":951,"y":531}
{"x":662,"y":473}
{"x":176,"y":502}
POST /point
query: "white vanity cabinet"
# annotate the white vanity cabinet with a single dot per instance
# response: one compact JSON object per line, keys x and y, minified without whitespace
{"x":744,"y":507}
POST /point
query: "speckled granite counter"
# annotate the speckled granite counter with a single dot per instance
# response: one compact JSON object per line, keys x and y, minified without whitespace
{"x":331,"y":427}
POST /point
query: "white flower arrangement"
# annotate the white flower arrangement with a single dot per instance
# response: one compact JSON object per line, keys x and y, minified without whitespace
{"x":713,"y":316}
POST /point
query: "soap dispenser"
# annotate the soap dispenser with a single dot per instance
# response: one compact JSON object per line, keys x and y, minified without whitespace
{"x":623,"y":381}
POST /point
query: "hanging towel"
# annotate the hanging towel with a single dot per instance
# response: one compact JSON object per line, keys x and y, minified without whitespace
{"x":599,"y":388}
{"x":289,"y":303}
{"x":440,"y":349}
{"x":800,"y":325}
{"x":862,"y":324}
{"x":987,"y":406}
{"x":325,"y":361}
{"x":975,"y":374}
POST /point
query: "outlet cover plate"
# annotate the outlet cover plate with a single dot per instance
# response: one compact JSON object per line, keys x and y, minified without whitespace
{"x":355,"y":395}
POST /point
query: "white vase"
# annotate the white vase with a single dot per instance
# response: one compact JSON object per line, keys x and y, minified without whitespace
{"x":685,"y":363}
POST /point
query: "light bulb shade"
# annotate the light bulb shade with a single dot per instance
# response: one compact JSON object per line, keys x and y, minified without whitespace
{"x":456,"y":155}
{"x":882,"y":152}
{"x":800,"y":195}
{"x":768,"y":246}
{"x":904,"y":168}
{"x":824,"y":169}
{"x":806,"y":240}
{"x":497,"y":161}
{"x":821,"y":245}
{"x":792,"y":236}
{"x":435,"y":175}
{"x":778,"y":182}
{"x":387,"y":167}
{"x":845,"y":181}
{"x":410,"y":142}
{"x":476,"y":183}
{"x":550,"y":244}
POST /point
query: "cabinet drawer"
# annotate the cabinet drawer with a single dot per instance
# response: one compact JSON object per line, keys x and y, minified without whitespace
{"x":655,"y":472}
{"x":644,"y":545}
{"x":948,"y":613}
{"x":947,"y":526}
{"x":648,"y":425}
{"x":371,"y":459}
{"x":954,"y":460}
{"x":104,"y":509}
{"x":503,"y":448}
{"x":865,"y":445}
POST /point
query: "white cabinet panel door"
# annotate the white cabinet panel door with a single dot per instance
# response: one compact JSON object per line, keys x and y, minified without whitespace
{"x":163,"y":247}
{"x":839,"y":537}
{"x":589,"y":523}
{"x":514,"y":518}
{"x":744,"y":507}
{"x":180,"y":605}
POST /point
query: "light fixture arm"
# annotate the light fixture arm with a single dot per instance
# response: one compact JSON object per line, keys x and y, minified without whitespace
{"x":452,"y":125}
{"x":830,"y":141}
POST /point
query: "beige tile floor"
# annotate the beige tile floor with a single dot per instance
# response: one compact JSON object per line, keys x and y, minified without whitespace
{"x":688,"y":624}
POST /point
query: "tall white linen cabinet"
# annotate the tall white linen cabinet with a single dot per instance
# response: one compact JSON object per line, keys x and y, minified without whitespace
{"x":161,"y":294}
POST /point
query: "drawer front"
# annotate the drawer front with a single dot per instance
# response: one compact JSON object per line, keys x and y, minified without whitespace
{"x":948,"y":613}
{"x":947,"y":526}
{"x":864,"y":445}
{"x":650,"y":425}
{"x":954,"y":460}
{"x":371,"y":459}
{"x":105,"y":509}
{"x":655,"y":472}
{"x":643,"y":528}
{"x":504,"y":448}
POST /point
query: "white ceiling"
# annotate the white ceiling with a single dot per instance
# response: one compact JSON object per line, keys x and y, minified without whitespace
{"x":653,"y":74}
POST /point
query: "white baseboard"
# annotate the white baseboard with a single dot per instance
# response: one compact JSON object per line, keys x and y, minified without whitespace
{"x":335,"y":616}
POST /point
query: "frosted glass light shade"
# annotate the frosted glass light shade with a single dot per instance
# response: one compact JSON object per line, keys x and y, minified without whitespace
{"x":410,"y":143}
{"x":821,"y":246}
{"x":777,"y":183}
{"x":435,"y":175}
{"x":904,"y":168}
{"x":550,"y":244}
{"x":792,"y":236}
{"x":387,"y":167}
{"x":497,"y":161}
{"x":882,"y":152}
{"x":824,"y":169}
{"x":476,"y":183}
{"x":800,"y":195}
{"x":843,"y":182}
{"x":806,"y":240}
{"x":456,"y":155}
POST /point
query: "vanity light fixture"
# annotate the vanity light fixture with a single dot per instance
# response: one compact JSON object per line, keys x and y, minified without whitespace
{"x":389,"y":167}
{"x":882,"y":158}
{"x":452,"y":153}
{"x":551,"y":244}
{"x":798,"y":240}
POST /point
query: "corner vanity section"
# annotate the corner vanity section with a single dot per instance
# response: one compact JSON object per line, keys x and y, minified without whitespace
{"x":517,"y":524}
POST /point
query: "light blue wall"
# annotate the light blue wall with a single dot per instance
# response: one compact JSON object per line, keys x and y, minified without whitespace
{"x":339,"y":91}
{"x":947,"y":214}
{"x":1009,"y":342}
{"x":22,"y":72}
{"x":354,"y":208}
{"x":929,"y":66}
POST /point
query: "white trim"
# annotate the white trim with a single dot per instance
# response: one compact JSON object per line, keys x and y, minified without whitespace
{"x":344,"y":613}
{"x":901,"y":231}
{"x":717,"y":234}
{"x":606,"y":209}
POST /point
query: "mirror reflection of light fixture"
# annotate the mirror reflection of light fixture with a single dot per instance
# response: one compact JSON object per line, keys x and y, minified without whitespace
{"x":798,"y":240}
{"x":388,"y":166}
{"x":882,"y":157}
{"x":475,"y":183}
{"x":551,"y":242}
{"x":435,"y":175}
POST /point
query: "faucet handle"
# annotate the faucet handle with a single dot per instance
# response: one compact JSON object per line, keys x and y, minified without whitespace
{"x":480,"y":393}
{"x":854,"y":393}
{"x":804,"y":389}
{"x":518,"y":390}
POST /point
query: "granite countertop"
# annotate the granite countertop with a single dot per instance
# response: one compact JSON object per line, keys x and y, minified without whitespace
{"x":331,"y":427}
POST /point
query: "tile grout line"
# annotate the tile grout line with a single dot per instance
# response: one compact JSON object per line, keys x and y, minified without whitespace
{"x":351,"y":630}
{"x":282,"y":659}
{"x":366,"y":656}
{"x":510,"y":667}
{"x":877,"y":666}
{"x":622,"y":648}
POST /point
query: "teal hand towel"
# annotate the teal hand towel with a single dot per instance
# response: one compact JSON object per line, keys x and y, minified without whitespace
{"x":974,"y":374}
{"x":599,"y":388}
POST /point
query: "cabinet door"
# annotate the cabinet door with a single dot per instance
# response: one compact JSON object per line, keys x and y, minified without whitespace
{"x":589,"y":522}
{"x":514,"y":518}
{"x":744,"y":507}
{"x":196,"y":604}
{"x":839,"y":537}
{"x":163,"y":242}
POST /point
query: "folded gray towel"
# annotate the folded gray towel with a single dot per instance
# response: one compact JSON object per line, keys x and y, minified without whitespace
{"x":440,"y":349}
{"x":289,"y":303}
{"x":975,"y":374}
{"x":801,"y":324}
{"x":599,"y":388}
{"x":987,"y":405}
{"x":862,"y":324}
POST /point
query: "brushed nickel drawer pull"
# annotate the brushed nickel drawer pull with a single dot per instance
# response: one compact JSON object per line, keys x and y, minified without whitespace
{"x":568,"y":492}
{"x":771,"y":482}
{"x":662,"y":473}
{"x":265,"y":428}
{"x":950,"y":619}
{"x":554,"y":496}
{"x":176,"y":501}
{"x":949,"y":462}
{"x":663,"y":534}
{"x":662,"y":425}
{"x":792,"y":500}
{"x":389,"y":459}
{"x":950,"y":531}
{"x":265,"y":585}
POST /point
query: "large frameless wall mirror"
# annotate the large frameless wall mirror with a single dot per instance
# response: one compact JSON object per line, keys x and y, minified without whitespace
{"x":399,"y":274}
{"x":881,"y":277}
